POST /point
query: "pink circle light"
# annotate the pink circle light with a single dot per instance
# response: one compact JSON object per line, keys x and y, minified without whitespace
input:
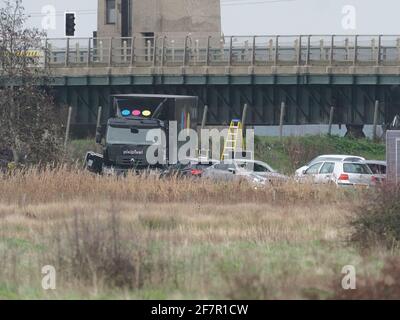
{"x":136,"y":113}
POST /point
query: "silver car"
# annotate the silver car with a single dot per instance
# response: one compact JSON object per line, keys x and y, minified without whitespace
{"x":342,"y":173}
{"x":252,"y":169}
{"x":260,"y":168}
{"x":231,"y":171}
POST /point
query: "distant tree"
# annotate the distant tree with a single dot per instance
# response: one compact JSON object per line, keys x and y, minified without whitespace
{"x":29,"y":125}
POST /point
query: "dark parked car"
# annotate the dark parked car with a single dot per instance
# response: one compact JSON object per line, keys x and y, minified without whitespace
{"x":378,"y":168}
{"x":193,"y":169}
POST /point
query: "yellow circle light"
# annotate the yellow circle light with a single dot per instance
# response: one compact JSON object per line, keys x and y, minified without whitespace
{"x":146,"y":113}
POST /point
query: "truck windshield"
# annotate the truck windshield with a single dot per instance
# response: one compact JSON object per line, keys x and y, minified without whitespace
{"x":137,"y":136}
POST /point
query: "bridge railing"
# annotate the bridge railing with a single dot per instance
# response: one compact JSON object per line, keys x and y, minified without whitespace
{"x":225,"y":51}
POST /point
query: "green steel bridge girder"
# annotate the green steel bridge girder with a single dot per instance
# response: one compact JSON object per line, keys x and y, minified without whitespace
{"x":115,"y":80}
{"x":308,"y":98}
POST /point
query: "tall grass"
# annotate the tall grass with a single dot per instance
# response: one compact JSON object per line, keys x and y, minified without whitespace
{"x":45,"y":185}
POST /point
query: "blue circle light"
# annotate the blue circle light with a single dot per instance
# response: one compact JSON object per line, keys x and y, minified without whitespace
{"x":126,"y":113}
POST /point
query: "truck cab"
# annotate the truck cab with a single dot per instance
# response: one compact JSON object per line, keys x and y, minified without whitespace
{"x":127,"y":142}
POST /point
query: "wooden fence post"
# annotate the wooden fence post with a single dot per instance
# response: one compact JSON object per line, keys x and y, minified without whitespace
{"x":331,"y":115}
{"x":282,"y":118}
{"x":67,"y":130}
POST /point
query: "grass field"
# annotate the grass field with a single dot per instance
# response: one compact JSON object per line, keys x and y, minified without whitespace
{"x":143,"y":238}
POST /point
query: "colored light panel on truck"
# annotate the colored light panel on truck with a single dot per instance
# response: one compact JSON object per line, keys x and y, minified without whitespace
{"x":125,"y":113}
{"x":146,"y":113}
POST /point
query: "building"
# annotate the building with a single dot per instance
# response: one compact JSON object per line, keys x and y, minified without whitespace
{"x":148,"y":18}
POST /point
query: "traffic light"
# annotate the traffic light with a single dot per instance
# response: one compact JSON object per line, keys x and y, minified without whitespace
{"x":70,"y":24}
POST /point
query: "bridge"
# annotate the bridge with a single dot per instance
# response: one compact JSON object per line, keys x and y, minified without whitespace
{"x":309,"y":73}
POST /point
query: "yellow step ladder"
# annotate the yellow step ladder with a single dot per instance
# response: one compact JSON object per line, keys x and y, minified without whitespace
{"x":233,"y":140}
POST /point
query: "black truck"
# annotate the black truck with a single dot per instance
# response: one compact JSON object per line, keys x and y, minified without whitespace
{"x":125,"y":137}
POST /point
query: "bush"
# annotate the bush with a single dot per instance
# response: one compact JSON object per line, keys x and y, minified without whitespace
{"x":302,"y":151}
{"x":378,"y":218}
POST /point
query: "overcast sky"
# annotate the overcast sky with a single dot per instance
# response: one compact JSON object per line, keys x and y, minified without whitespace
{"x":249,"y":17}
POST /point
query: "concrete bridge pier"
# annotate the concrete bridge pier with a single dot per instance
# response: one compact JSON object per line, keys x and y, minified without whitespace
{"x":355,"y":131}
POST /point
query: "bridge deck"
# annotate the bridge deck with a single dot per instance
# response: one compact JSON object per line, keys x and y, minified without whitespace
{"x":256,"y":51}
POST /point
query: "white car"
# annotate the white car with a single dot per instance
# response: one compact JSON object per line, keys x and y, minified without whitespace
{"x":332,"y":157}
{"x":342,"y":173}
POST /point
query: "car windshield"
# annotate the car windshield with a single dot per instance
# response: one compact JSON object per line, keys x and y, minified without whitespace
{"x":117,"y":135}
{"x":314,"y":169}
{"x":320,"y":159}
{"x":254,"y":166}
{"x":357,"y":168}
